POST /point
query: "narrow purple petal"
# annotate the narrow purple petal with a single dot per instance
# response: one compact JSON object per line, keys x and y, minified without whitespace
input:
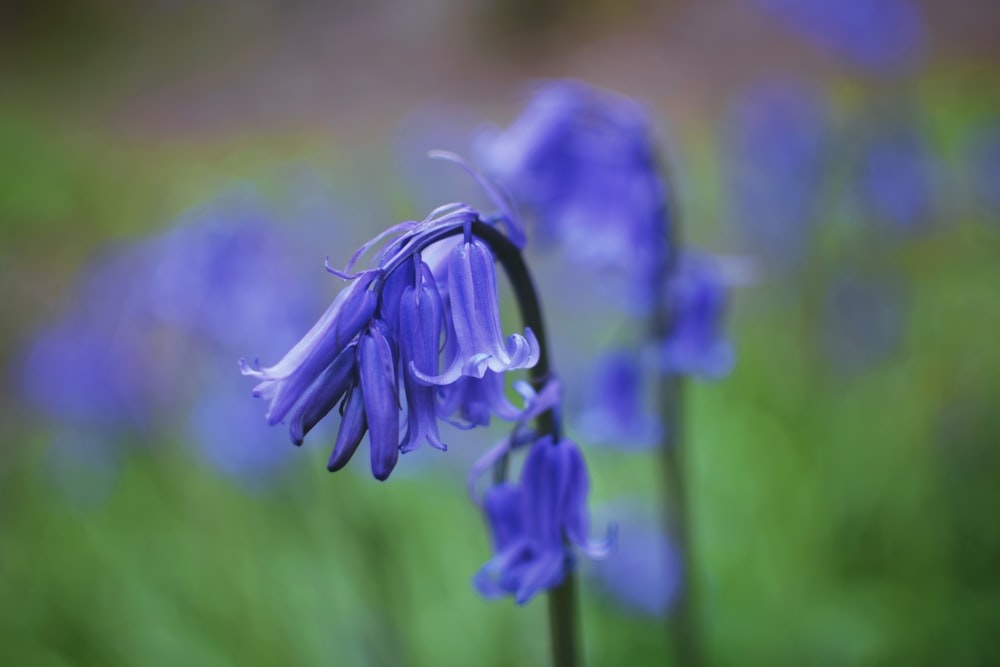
{"x":420,"y":319}
{"x":353,"y":426}
{"x":328,"y":389}
{"x":378,"y":384}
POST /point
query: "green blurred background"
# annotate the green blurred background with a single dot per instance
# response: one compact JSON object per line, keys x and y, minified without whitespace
{"x":844,"y":500}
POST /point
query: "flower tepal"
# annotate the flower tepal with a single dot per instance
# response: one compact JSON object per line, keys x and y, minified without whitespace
{"x":475,"y":320}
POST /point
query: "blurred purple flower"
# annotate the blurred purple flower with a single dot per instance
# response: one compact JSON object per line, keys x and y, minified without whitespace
{"x":644,"y":573}
{"x":897,"y":178}
{"x":582,"y":159}
{"x":617,"y":412}
{"x":886,"y":36}
{"x":775,"y":141}
{"x":92,"y":366}
{"x":177,"y":300}
{"x":695,"y":343}
{"x":865,"y":320}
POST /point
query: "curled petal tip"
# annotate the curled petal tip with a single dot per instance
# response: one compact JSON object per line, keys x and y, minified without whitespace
{"x":250,"y":369}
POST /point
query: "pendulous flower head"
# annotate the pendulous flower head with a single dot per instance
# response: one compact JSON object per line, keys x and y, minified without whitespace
{"x":377,"y":353}
{"x":533,"y":521}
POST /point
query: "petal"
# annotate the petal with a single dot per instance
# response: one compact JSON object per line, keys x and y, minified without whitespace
{"x":324,"y":394}
{"x":420,"y":317}
{"x":353,"y":426}
{"x":378,"y":383}
{"x":350,"y":304}
{"x":546,"y":572}
{"x":576,"y":517}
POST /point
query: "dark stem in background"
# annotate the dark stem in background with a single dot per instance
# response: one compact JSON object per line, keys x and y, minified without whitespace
{"x":562,"y":599}
{"x":683,"y":628}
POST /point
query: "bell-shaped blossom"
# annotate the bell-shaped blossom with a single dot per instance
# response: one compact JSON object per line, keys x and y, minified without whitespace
{"x":617,"y":412}
{"x":775,"y":141}
{"x":695,"y":345}
{"x":880,"y":35}
{"x":582,"y":160}
{"x":420,"y":318}
{"x":475,"y":320}
{"x":897,"y":178}
{"x":645,"y":573}
{"x":532,"y":522}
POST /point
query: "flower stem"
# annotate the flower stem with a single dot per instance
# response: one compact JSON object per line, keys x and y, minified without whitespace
{"x":682,"y":624}
{"x":563,"y":622}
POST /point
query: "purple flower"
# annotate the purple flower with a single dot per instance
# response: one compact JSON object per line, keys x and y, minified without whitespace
{"x":776,"y":136}
{"x":475,"y":321}
{"x":376,"y":351}
{"x":420,"y":319}
{"x":531,"y":522}
{"x":695,"y":343}
{"x":582,"y":160}
{"x":897,"y":178}
{"x":475,"y":399}
{"x":880,"y":35}
{"x":154,"y":324}
{"x":644,"y":574}
{"x":617,"y":412}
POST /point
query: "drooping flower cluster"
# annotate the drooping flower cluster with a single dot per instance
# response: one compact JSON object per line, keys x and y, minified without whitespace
{"x":377,"y":350}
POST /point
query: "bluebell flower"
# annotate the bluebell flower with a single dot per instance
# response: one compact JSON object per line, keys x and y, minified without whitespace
{"x":91,"y":367}
{"x":897,"y":178}
{"x":776,"y":138}
{"x":886,"y":36}
{"x":420,"y":318}
{"x":695,"y":344}
{"x":617,"y":411}
{"x":475,"y":320}
{"x":376,"y":351}
{"x":582,"y":159}
{"x":475,"y":400}
{"x":531,"y":523}
{"x":644,"y":574}
{"x":219,"y":279}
